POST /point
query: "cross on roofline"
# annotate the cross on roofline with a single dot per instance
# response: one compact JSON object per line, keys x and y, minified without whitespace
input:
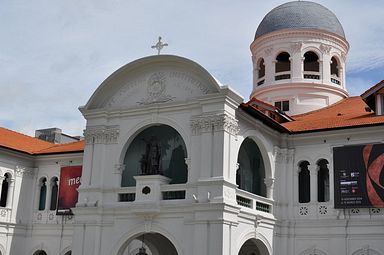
{"x":159,"y":46}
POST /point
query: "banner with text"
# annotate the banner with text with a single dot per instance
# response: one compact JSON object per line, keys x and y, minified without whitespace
{"x":359,"y":176}
{"x":70,"y":179}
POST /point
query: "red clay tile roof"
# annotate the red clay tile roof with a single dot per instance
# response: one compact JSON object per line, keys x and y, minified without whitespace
{"x":349,"y":112}
{"x":19,"y":142}
{"x":77,"y":146}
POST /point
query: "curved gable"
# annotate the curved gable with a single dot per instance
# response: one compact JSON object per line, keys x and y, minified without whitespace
{"x":154,"y":79}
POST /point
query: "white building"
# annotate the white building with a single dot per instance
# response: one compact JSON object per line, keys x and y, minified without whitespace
{"x":174,"y":163}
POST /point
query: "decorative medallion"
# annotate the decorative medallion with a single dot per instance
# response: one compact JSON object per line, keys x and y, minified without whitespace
{"x":156,"y":90}
{"x":303,"y":210}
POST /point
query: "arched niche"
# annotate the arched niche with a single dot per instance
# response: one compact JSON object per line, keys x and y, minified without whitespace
{"x":162,"y":142}
{"x":250,"y":174}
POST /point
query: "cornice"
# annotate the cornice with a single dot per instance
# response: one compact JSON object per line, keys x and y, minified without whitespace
{"x":295,"y":34}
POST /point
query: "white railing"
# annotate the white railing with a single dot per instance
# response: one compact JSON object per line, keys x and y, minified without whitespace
{"x":126,"y":194}
{"x":311,"y":75}
{"x":169,"y":192}
{"x":335,"y":80}
{"x":173,"y":191}
{"x":283,"y":75}
{"x":260,"y":81}
{"x":254,"y":202}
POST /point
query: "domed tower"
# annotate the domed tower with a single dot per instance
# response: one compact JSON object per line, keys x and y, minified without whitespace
{"x":299,"y":56}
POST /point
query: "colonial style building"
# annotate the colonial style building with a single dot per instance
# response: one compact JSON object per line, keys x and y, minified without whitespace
{"x":172,"y":162}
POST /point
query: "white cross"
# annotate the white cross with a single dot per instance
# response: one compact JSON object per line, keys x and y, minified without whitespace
{"x":159,"y":46}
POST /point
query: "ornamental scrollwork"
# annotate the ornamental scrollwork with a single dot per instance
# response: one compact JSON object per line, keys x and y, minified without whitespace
{"x":214,"y":122}
{"x":21,"y":171}
{"x":283,"y":155}
{"x":296,"y":47}
{"x":325,"y":49}
{"x":101,"y":134}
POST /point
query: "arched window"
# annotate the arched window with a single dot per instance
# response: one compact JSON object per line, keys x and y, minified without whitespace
{"x":304,"y":183}
{"x":311,"y":66}
{"x":43,"y":193}
{"x":54,"y":192}
{"x":335,"y":72}
{"x":260,"y":72}
{"x":282,"y":66}
{"x":323,"y":181}
{"x":158,"y":147}
{"x":261,"y":69}
{"x":4,"y":190}
{"x":334,"y":67}
{"x":251,"y":172}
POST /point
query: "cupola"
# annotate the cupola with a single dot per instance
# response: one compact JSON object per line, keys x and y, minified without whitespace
{"x":299,"y":54}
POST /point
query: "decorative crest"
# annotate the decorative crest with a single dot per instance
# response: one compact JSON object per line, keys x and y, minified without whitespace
{"x":159,"y":46}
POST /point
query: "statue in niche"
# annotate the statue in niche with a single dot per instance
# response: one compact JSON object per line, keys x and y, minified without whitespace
{"x":150,"y":162}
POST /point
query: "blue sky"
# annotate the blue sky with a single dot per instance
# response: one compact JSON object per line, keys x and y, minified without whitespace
{"x":55,"y":53}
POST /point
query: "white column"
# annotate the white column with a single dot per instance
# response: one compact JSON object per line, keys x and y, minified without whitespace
{"x":313,"y":183}
{"x":269,"y":63}
{"x":269,"y":182}
{"x":296,"y":70}
{"x":326,"y":69}
{"x":11,"y":186}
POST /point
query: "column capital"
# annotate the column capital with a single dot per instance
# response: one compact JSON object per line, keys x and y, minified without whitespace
{"x":101,"y":134}
{"x":214,"y":122}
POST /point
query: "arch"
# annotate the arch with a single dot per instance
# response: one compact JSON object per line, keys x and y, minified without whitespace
{"x":250,"y":174}
{"x":40,"y":252}
{"x":157,"y":149}
{"x":42,"y":193}
{"x":313,"y":251}
{"x":40,"y":247}
{"x":260,"y":68}
{"x":365,"y":251}
{"x":66,"y":251}
{"x":335,"y":65}
{"x":304,"y":182}
{"x":283,"y":62}
{"x":54,"y":193}
{"x":137,"y":231}
{"x":323,"y":183}
{"x":2,"y":250}
{"x":260,"y":240}
{"x":4,"y":189}
{"x":311,"y":62}
{"x":264,"y":146}
{"x":128,"y":137}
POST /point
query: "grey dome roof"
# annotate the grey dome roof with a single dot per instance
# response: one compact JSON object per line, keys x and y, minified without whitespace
{"x":300,"y":14}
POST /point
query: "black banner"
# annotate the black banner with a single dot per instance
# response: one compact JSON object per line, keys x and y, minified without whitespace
{"x":359,"y":176}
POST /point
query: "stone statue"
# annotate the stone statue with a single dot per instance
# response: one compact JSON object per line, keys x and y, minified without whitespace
{"x":150,"y":162}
